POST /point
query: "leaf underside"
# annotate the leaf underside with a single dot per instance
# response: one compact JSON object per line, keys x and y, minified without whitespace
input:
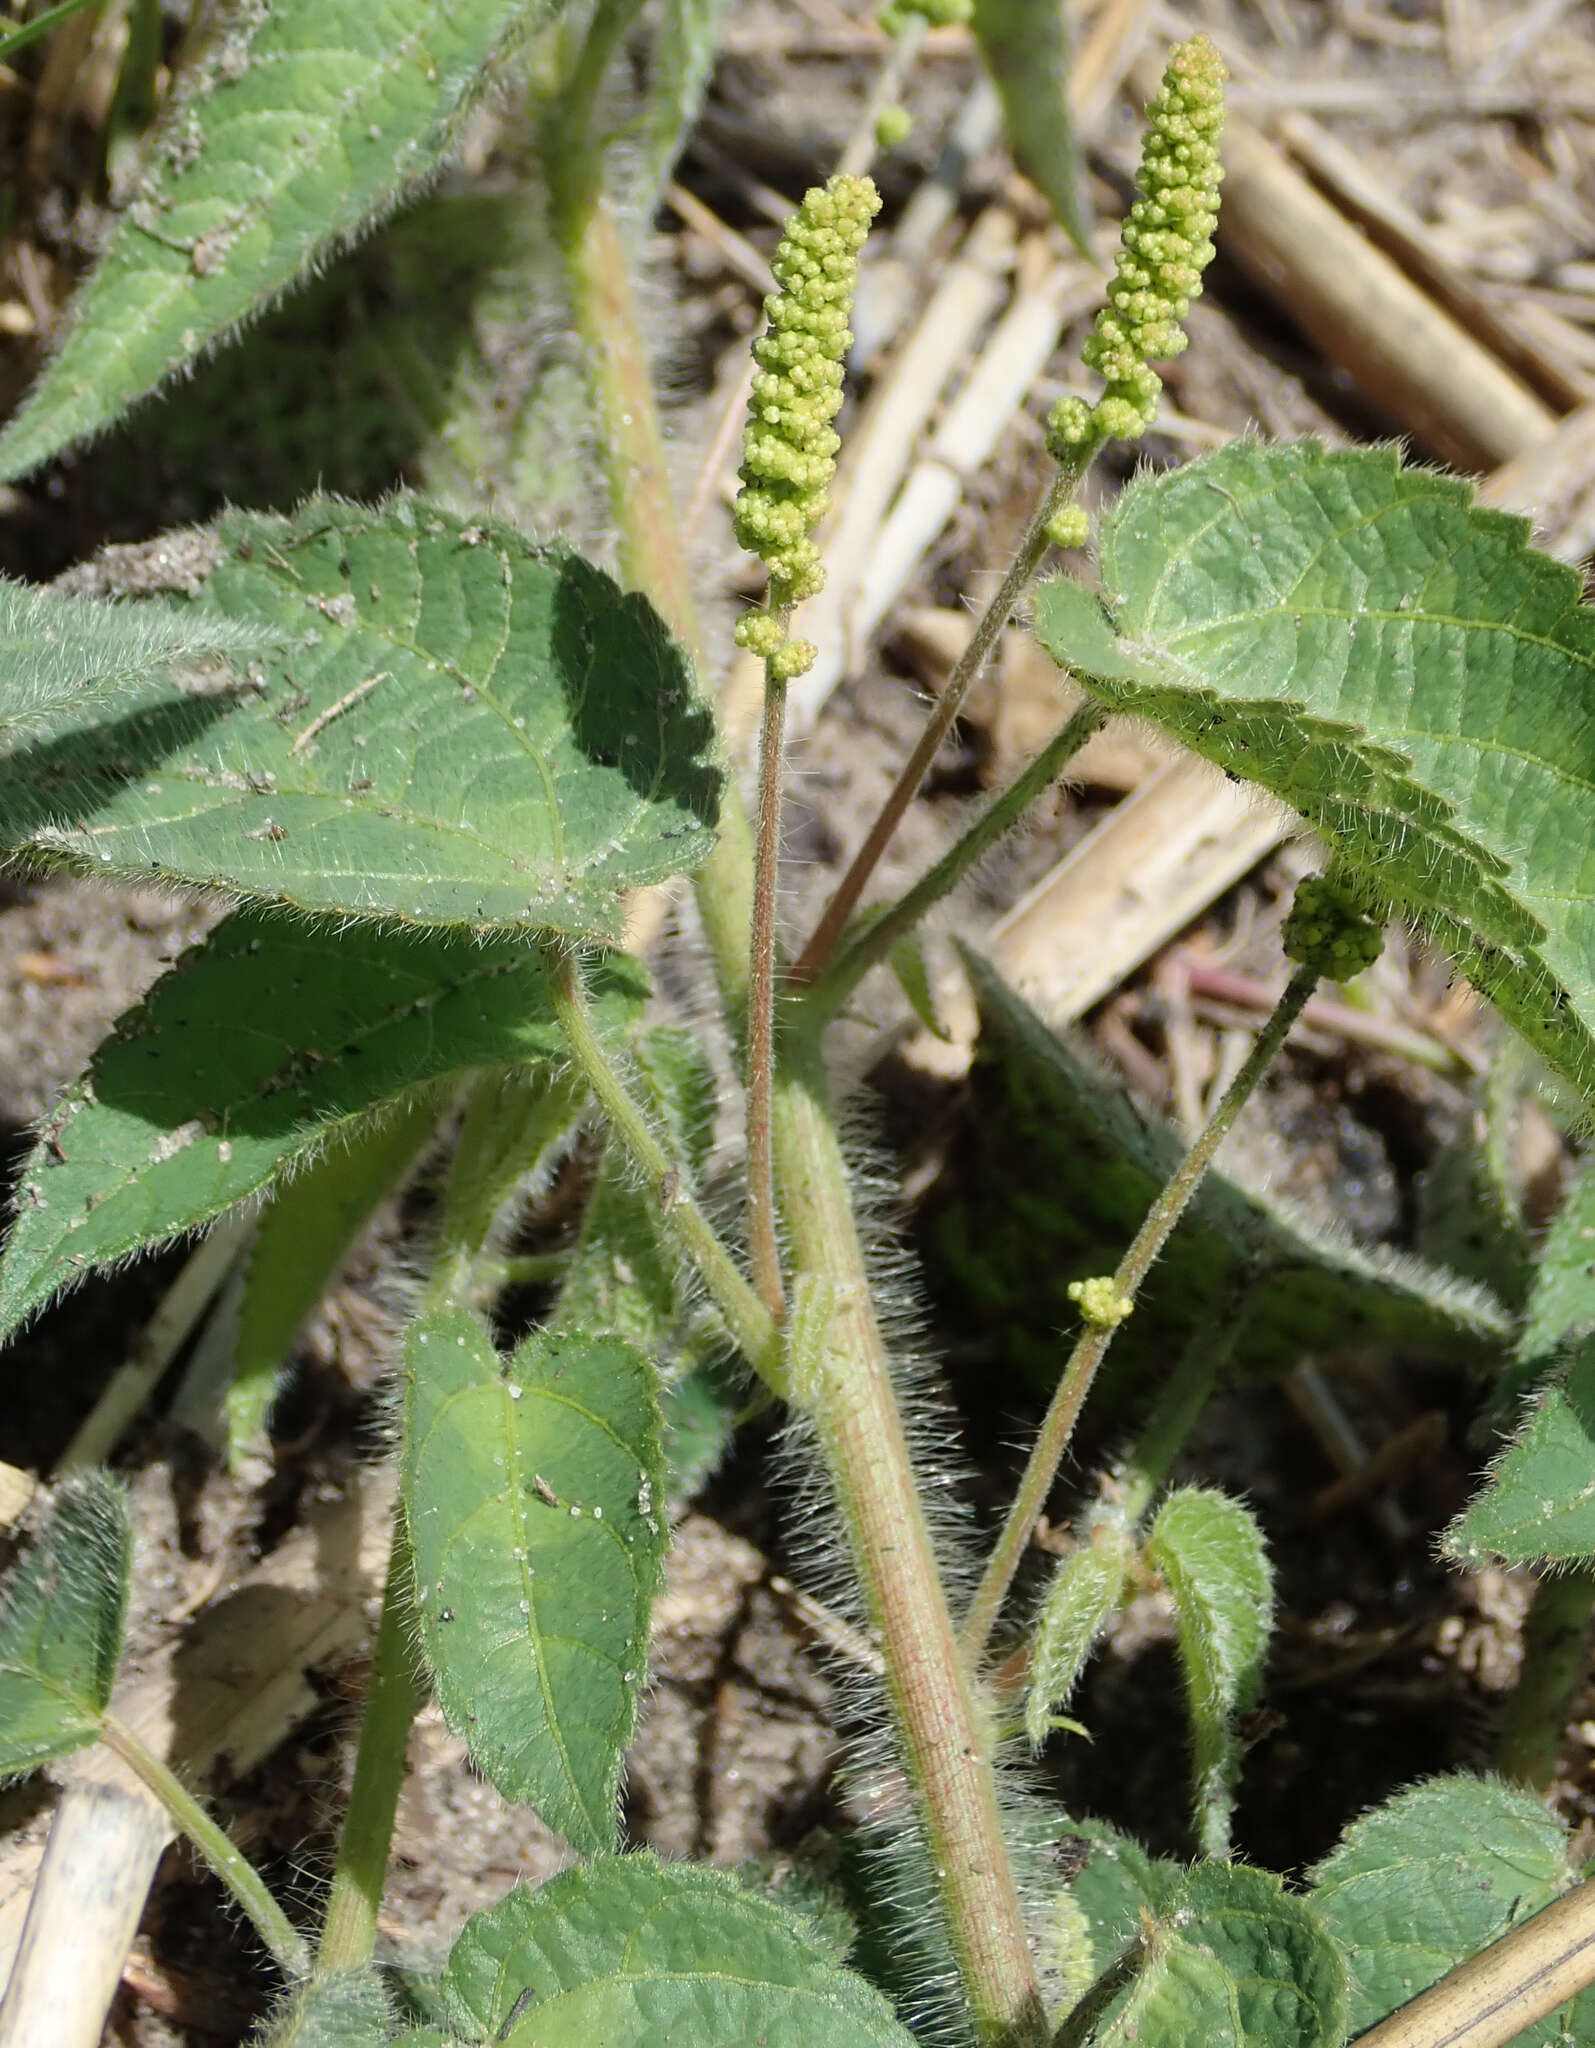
{"x":458,"y":729}
{"x":294,"y":127}
{"x":531,"y":1491}
{"x":632,"y":1952}
{"x":259,"y":1046}
{"x":1428,"y":1879}
{"x":1397,"y":665}
{"x":61,"y":1629}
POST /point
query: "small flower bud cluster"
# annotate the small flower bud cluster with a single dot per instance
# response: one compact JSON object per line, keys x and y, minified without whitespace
{"x":789,"y":448}
{"x":1165,"y":246}
{"x":1100,"y":1303}
{"x":1330,"y":927}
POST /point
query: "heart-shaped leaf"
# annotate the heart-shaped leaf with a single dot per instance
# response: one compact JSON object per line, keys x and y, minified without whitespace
{"x":458,"y":729}
{"x":531,"y":1490}
{"x":1397,"y":665}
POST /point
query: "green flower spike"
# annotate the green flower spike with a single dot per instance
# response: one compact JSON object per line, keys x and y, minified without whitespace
{"x":1332,"y":925}
{"x":789,"y":448}
{"x":1165,"y":246}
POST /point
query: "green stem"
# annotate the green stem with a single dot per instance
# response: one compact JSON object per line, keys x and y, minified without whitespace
{"x":1180,"y":1400}
{"x":847,"y":1391}
{"x":235,"y":1870}
{"x":752,"y":1328}
{"x":1091,"y":1346}
{"x":349,"y":1931}
{"x":763,"y":1247}
{"x":812,"y":960}
{"x":1000,"y":816}
{"x":1555,"y":1659}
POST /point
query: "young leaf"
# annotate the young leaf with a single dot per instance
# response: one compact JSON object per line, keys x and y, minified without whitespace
{"x":295,"y":127}
{"x":61,"y":1629}
{"x":1081,"y":1601}
{"x":1397,"y":665}
{"x":1539,"y":1501}
{"x":1427,"y":1880}
{"x":529,"y":1490}
{"x":1562,"y":1301}
{"x":1047,"y":1118}
{"x":1214,"y":1562}
{"x":299,"y":1246}
{"x":261,"y":1045}
{"x":1026,"y":47}
{"x":346,"y":2009}
{"x":632,"y":1952}
{"x":681,"y":60}
{"x":464,"y":730}
{"x":59,"y":651}
{"x":1238,"y":1960}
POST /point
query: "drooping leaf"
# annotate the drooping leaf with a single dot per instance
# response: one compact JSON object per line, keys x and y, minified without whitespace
{"x":1214,"y":1561}
{"x":295,"y":126}
{"x":1427,"y":1880}
{"x":681,"y":60}
{"x":1539,"y":1499}
{"x":1238,"y":1960}
{"x":1026,"y":46}
{"x":464,"y":730}
{"x":530,"y":1490}
{"x":61,"y":1628}
{"x":632,"y":1952}
{"x":299,"y":1246}
{"x":59,"y":651}
{"x":344,"y":2009}
{"x":1081,"y":1601}
{"x":1394,"y":663}
{"x":1056,"y":1172}
{"x":260,"y":1046}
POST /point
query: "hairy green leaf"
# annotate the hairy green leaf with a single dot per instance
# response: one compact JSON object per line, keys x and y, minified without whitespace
{"x":1539,"y":1500}
{"x":1562,"y":1300}
{"x":1397,"y":665}
{"x":1057,"y":1172}
{"x":1026,"y":48}
{"x":530,"y":1490}
{"x":345,"y":2009}
{"x":463,"y":730}
{"x":632,"y":1952}
{"x":61,"y":1629}
{"x":1238,"y":1960}
{"x":1081,"y":1601}
{"x":58,"y":652}
{"x":1214,"y":1561}
{"x":681,"y":60}
{"x":259,"y":1047}
{"x":1428,"y":1879}
{"x":295,"y":127}
{"x":299,"y":1246}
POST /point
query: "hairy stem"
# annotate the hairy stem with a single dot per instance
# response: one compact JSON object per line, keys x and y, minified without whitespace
{"x":350,"y":1928}
{"x":847,"y":1391}
{"x":999,"y":818}
{"x":1555,"y":1659}
{"x":763,"y":1248}
{"x":750,"y":1323}
{"x":816,"y":954}
{"x":235,"y":1870}
{"x":1091,"y":1346}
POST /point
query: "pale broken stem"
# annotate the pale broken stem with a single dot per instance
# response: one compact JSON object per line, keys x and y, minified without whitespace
{"x":816,"y":954}
{"x":235,"y":1870}
{"x":945,"y":1746}
{"x":1091,"y":1346}
{"x":752,"y":1328}
{"x":764,"y":1249}
{"x":998,"y":819}
{"x":1499,"y":1995}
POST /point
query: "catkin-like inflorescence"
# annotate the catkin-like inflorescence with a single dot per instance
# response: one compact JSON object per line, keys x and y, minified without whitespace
{"x":1334,"y":925}
{"x":789,"y":448}
{"x":1165,"y":245}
